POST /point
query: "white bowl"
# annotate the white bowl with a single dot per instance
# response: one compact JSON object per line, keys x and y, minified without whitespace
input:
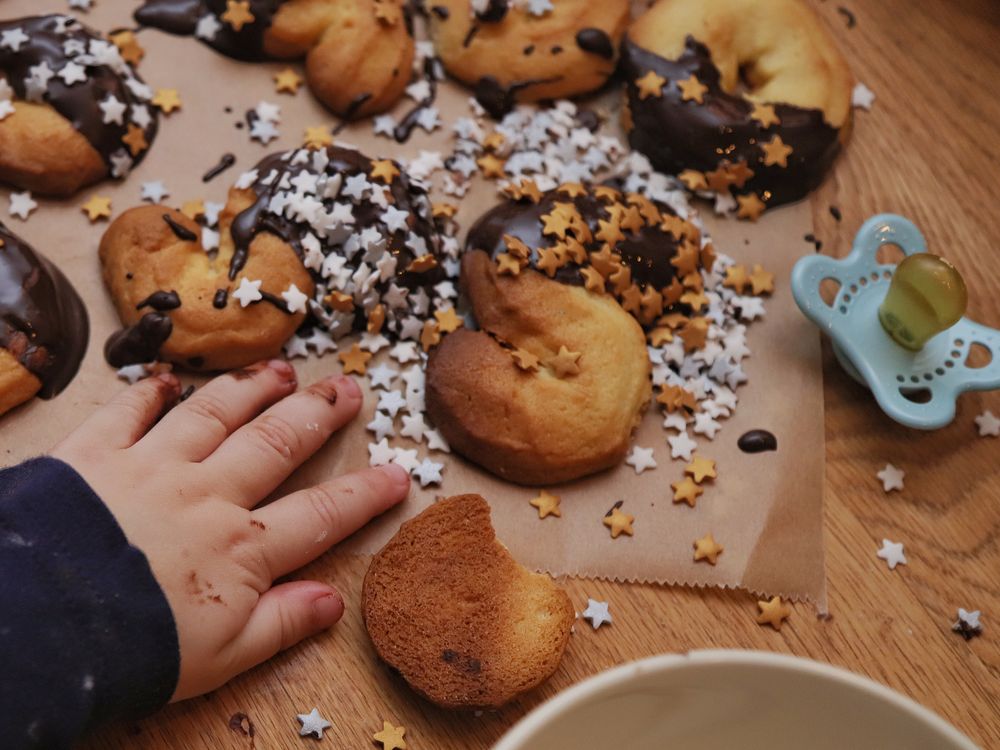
{"x":731,"y":700}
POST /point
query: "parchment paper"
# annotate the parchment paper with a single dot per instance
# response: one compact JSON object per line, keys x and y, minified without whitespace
{"x":765,"y":509}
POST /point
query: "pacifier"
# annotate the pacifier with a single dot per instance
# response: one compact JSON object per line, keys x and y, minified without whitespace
{"x":899,"y":330}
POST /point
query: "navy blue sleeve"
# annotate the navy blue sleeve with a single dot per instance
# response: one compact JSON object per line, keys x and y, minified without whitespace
{"x":86,"y":633}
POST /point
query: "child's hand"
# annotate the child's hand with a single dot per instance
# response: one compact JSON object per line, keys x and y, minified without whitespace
{"x":183,"y":489}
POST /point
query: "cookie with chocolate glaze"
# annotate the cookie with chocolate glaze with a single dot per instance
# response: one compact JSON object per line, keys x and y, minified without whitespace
{"x":738,"y":96}
{"x":510,"y":54}
{"x":329,"y":235}
{"x":358,"y":53}
{"x":72,"y":111}
{"x":44,"y":327}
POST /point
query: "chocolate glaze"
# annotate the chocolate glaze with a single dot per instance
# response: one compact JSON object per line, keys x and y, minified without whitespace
{"x":79,"y":102}
{"x":647,"y":253}
{"x":596,"y":41}
{"x":43,"y":322}
{"x":498,"y":99}
{"x":180,"y":231}
{"x":161,"y":301}
{"x":221,"y":299}
{"x":140,"y":343}
{"x":494,"y":12}
{"x":678,"y":135}
{"x":225,"y":163}
{"x":757,"y":441}
{"x":181,"y":17}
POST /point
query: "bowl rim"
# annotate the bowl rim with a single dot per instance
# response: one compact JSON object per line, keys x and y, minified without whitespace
{"x":607,"y":681}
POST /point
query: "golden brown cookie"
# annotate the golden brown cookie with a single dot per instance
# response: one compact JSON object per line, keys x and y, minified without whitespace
{"x":72,"y":111}
{"x":358,"y":53}
{"x":510,"y":54}
{"x":750,"y":97}
{"x":43,"y":325}
{"x":447,"y":606}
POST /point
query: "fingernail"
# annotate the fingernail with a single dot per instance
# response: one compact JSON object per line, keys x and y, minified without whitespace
{"x":347,"y":386}
{"x":396,"y":473}
{"x":170,"y":379}
{"x":283,"y":368}
{"x":328,"y":609}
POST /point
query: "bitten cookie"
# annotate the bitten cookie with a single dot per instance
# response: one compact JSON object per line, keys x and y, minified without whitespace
{"x":447,"y":606}
{"x":358,"y":53}
{"x":72,"y":111}
{"x":510,"y":52}
{"x":43,"y":325}
{"x":748,"y":96}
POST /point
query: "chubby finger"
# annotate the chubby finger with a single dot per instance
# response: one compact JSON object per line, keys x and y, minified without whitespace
{"x":305,"y":524}
{"x":198,"y":426}
{"x":282,"y":617}
{"x":260,"y":455}
{"x":129,"y":415}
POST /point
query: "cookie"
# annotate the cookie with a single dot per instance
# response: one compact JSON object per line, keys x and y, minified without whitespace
{"x":447,"y":606}
{"x":511,"y":53}
{"x":72,"y":111}
{"x":44,"y":327}
{"x":358,"y":53}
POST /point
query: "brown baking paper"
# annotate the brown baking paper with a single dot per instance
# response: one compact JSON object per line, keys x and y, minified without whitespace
{"x":765,"y":509}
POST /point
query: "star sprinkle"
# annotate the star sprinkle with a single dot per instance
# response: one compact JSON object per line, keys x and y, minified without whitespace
{"x":194,"y":209}
{"x":761,"y":282}
{"x":135,"y":139}
{"x":154,"y":192}
{"x":892,"y":553}
{"x":750,"y":207}
{"x":681,"y":446}
{"x":128,"y":46}
{"x":619,"y":523}
{"x":295,"y":299}
{"x":21,"y":205}
{"x":73,"y":73}
{"x":524,"y":359}
{"x":317,"y":137}
{"x":597,"y":612}
{"x":565,"y":362}
{"x":447,"y":320}
{"x":547,"y":504}
{"x":287,"y":81}
{"x":380,"y":453}
{"x":391,"y":737}
{"x":891,"y":478}
{"x":708,"y":549}
{"x":384,"y":170}
{"x":356,"y":360}
{"x":491,"y":166}
{"x":248,"y":292}
{"x":773,"y":612}
{"x":167,"y":100}
{"x":428,"y":472}
{"x":650,"y":84}
{"x":967,"y":625}
{"x":765,"y":115}
{"x":988,"y":424}
{"x":692,"y":90}
{"x":313,"y":723}
{"x":641,"y":459}
{"x":701,"y":469}
{"x":862,"y":97}
{"x":97,"y":208}
{"x":381,"y":425}
{"x":686,"y":491}
{"x":776,"y":152}
{"x":238,"y":14}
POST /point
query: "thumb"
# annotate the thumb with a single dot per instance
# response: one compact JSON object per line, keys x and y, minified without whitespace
{"x":283,"y":616}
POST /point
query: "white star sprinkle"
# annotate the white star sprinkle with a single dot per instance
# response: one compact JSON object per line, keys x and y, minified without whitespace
{"x":313,"y":723}
{"x":436,"y":442}
{"x":641,"y":459}
{"x":21,"y":205}
{"x":208,"y":27}
{"x":597,"y":613}
{"x":248,"y":292}
{"x":382,"y":376}
{"x":113,"y":109}
{"x":295,"y":299}
{"x":428,"y":472}
{"x":6,"y":109}
{"x":407,"y":459}
{"x":862,"y":97}
{"x":382,"y":426}
{"x":892,"y":553}
{"x":73,"y":73}
{"x":891,"y":477}
{"x":391,"y":402}
{"x":154,"y":192}
{"x":704,"y":424}
{"x":380,"y":453}
{"x":414,"y":427}
{"x":988,"y":424}
{"x":263,"y":131}
{"x":13,"y":39}
{"x":968,"y":622}
{"x":385,"y":125}
{"x":681,"y":446}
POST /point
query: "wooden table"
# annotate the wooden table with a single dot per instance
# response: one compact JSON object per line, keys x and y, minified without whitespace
{"x":930,"y":150}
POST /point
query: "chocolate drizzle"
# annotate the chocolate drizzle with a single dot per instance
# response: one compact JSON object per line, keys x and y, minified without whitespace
{"x":596,"y":41}
{"x":225,"y":163}
{"x":161,"y":301}
{"x":180,"y":231}
{"x":757,"y":441}
{"x":352,"y":109}
{"x":48,"y":39}
{"x":221,"y":299}
{"x":140,"y":343}
{"x":404,"y":130}
{"x":498,"y":99}
{"x":43,"y":322}
{"x":678,"y":135}
{"x":181,"y":17}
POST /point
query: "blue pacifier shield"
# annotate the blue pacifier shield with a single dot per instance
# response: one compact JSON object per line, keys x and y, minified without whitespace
{"x":917,"y":389}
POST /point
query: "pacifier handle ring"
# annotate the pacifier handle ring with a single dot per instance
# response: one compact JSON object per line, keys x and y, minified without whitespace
{"x":889,"y":229}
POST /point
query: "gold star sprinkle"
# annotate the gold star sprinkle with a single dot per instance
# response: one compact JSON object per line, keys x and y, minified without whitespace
{"x":572,"y":189}
{"x":549,"y":261}
{"x":391,"y":737}
{"x":287,"y":81}
{"x":423,"y":263}
{"x":695,"y":300}
{"x":444,"y":210}
{"x":592,"y":280}
{"x":564,"y":363}
{"x":694,"y":333}
{"x":693,"y":180}
{"x":447,"y":320}
{"x":167,"y":100}
{"x":700,"y":468}
{"x":387,"y":13}
{"x":97,"y":208}
{"x":547,"y":505}
{"x":376,"y":318}
{"x":751,"y":206}
{"x":650,"y":84}
{"x":686,"y":491}
{"x":619,"y":523}
{"x":317,"y":137}
{"x":674,"y":397}
{"x":135,"y":139}
{"x":339,"y":301}
{"x":761,"y":281}
{"x":773,"y":612}
{"x":524,"y":359}
{"x":238,"y":14}
{"x":736,"y":278}
{"x":384,"y":170}
{"x":776,"y":152}
{"x":430,"y":336}
{"x":739,"y":173}
{"x":508,"y":265}
{"x":491,"y":166}
{"x":494,"y":141}
{"x":692,"y":90}
{"x":660,"y":336}
{"x":193,"y":209}
{"x":516,"y":247}
{"x":355,"y":360}
{"x":529,"y":189}
{"x":707,"y":548}
{"x":765,"y":115}
{"x":129,"y":48}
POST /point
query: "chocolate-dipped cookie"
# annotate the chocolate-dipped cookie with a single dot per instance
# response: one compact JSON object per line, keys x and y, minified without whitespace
{"x":737,"y":96}
{"x":72,"y":111}
{"x":358,"y":53}
{"x":43,"y":325}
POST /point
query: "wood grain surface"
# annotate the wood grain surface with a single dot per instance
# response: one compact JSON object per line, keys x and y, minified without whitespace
{"x":930,"y":150}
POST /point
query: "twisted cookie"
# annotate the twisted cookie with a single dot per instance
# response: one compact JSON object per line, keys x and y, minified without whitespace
{"x":72,"y":110}
{"x":358,"y":52}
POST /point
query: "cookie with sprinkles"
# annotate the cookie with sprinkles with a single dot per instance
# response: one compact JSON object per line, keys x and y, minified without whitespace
{"x":358,"y":53}
{"x":72,"y":110}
